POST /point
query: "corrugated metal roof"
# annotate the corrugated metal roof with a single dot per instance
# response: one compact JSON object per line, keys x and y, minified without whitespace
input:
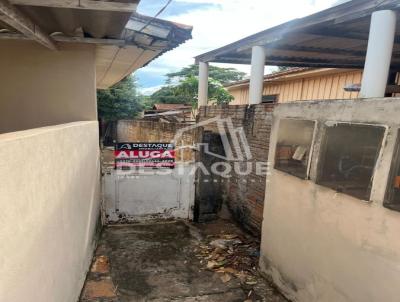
{"x":74,"y":22}
{"x":158,"y":37}
{"x":333,"y":38}
{"x":270,"y":76}
{"x":290,"y":74}
{"x":171,"y":106}
{"x":125,"y":41}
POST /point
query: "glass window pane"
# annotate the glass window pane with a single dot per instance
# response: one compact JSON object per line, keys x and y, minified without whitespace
{"x":293,"y":146}
{"x":348,"y":158}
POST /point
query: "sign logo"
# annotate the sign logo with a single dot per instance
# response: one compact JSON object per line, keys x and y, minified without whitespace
{"x":233,"y":139}
{"x":155,"y":155}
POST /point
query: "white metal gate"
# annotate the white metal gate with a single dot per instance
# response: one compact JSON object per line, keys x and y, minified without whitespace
{"x":151,"y":193}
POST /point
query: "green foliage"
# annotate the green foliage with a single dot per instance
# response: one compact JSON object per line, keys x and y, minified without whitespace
{"x":218,"y":95}
{"x":222,"y":75}
{"x":121,"y":101}
{"x":185,"y":89}
{"x":167,"y":95}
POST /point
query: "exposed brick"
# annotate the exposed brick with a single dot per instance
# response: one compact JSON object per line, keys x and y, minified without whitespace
{"x":103,"y":288}
{"x":100,"y":265}
{"x":245,"y":194}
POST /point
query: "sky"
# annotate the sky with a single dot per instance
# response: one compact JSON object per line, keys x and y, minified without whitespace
{"x":215,"y":24}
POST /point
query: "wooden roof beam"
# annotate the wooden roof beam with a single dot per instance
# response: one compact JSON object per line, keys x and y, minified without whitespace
{"x":115,"y":6}
{"x":12,"y":16}
{"x":319,"y":50}
{"x":334,"y":33}
{"x":66,"y":39}
{"x":296,"y":62}
{"x":304,"y":64}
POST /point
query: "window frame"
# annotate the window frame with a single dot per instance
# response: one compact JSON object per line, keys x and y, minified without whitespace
{"x":276,"y":100}
{"x":394,"y":166}
{"x":311,"y":151}
{"x":323,"y":149}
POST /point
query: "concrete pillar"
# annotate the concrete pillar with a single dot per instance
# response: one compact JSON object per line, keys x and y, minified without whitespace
{"x":257,"y":75}
{"x":203,"y":84}
{"x":379,"y":54}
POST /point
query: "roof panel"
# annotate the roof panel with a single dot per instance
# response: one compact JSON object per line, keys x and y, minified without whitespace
{"x":337,"y":37}
{"x":97,"y":24}
{"x":120,"y":49}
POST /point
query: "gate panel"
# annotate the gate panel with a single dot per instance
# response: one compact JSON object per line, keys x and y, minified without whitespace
{"x":131,"y":196}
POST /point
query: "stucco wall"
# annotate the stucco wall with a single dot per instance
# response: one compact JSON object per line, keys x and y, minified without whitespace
{"x":321,"y":245}
{"x":49,"y":197}
{"x":40,"y":87}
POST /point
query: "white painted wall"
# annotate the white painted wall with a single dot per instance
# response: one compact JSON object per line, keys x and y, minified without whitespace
{"x":320,"y":245}
{"x":49,"y":196}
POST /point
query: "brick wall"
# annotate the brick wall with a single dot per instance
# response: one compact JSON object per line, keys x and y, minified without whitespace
{"x":152,"y":131}
{"x":244,"y":194}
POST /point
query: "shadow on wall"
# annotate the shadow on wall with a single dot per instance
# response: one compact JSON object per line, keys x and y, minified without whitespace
{"x":243,"y":193}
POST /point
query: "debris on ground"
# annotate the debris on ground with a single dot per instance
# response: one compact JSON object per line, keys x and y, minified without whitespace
{"x":230,"y":255}
{"x":177,"y":262}
{"x":236,"y":255}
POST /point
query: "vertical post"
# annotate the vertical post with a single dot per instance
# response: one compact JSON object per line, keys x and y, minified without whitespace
{"x":379,"y":54}
{"x":203,"y":84}
{"x":257,"y":75}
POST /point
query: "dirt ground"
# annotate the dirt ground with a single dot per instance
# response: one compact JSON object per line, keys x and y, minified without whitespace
{"x":177,"y":261}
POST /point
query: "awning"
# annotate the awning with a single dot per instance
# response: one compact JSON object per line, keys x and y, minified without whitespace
{"x":124,"y":40}
{"x":334,"y":38}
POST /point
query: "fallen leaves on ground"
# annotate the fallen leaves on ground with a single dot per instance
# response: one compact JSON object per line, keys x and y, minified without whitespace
{"x":232,"y":256}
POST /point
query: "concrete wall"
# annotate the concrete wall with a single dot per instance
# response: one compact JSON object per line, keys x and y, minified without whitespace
{"x":321,"y":245}
{"x":40,"y":87}
{"x":49,"y":197}
{"x":244,"y":194}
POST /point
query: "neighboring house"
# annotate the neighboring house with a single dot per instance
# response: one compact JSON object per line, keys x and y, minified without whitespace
{"x":180,"y":113}
{"x":53,"y":57}
{"x":301,"y":84}
{"x":332,"y":198}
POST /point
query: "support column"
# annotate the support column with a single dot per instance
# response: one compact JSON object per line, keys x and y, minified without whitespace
{"x":257,"y":75}
{"x":379,"y":54}
{"x":203,"y":84}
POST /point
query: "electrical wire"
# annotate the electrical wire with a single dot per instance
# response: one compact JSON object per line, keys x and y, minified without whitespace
{"x":156,"y":15}
{"x":147,"y":24}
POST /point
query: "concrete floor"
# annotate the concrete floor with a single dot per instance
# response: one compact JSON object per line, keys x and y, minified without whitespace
{"x":158,"y":262}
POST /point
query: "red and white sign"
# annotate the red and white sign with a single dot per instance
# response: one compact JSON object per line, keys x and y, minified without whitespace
{"x":129,"y":155}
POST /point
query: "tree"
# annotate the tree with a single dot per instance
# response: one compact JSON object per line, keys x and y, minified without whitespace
{"x":187,"y":92}
{"x":121,"y":101}
{"x":283,"y":68}
{"x":183,"y":86}
{"x":222,"y":75}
